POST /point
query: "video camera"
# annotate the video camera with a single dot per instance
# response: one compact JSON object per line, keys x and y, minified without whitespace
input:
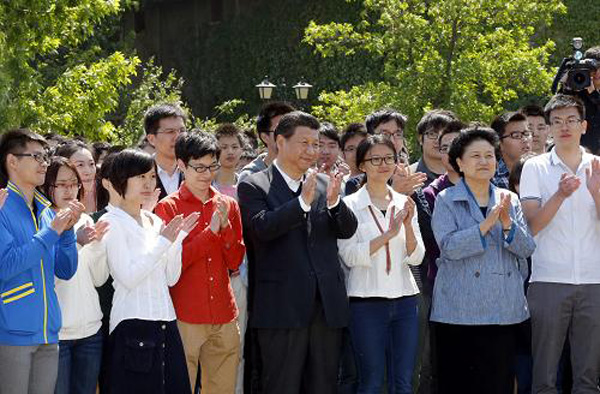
{"x":574,"y":72}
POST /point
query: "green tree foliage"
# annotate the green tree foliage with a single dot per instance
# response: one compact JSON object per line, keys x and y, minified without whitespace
{"x":471,"y":56}
{"x":154,"y":87}
{"x":42,"y":85}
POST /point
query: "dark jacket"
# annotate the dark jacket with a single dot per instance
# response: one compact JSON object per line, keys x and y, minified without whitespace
{"x":591,"y":139}
{"x":159,"y":184}
{"x":294,"y":257}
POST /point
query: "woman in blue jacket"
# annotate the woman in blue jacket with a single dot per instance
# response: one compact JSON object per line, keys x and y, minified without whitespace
{"x":478,"y":297}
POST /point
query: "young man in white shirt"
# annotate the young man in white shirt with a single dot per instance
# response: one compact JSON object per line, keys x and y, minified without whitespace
{"x":560,"y":191}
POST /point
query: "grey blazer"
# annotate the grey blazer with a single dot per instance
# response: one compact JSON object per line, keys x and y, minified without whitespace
{"x":479,"y":280}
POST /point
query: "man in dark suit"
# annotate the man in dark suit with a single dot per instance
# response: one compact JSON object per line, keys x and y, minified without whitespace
{"x":293,"y":217}
{"x":163,"y":123}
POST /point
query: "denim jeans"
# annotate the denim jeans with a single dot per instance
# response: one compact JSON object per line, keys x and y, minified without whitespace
{"x":385,"y":334}
{"x":79,"y":365}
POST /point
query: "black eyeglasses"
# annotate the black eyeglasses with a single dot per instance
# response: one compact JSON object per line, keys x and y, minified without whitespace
{"x":42,"y":158}
{"x":431,"y":135}
{"x":171,"y":132}
{"x":200,"y":168}
{"x":397,"y":134}
{"x":67,"y":186}
{"x":561,"y":122}
{"x":377,"y":161}
{"x":518,"y":135}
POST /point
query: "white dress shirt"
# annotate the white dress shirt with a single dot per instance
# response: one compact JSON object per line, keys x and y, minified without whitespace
{"x":143,"y":265}
{"x":567,"y":248}
{"x":170,"y":182}
{"x":77,"y":297}
{"x":367,"y":276}
{"x":294,"y":185}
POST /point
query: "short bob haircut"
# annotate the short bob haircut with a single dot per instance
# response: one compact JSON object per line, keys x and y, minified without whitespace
{"x":466,"y":138}
{"x":367,"y":144}
{"x":52,"y":173}
{"x":383,"y":116}
{"x":15,"y":141}
{"x":289,"y":122}
{"x":195,"y":145}
{"x":128,"y":164}
{"x":560,"y":101}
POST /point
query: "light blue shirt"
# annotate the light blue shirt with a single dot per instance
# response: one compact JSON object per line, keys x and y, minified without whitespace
{"x":480,"y":278}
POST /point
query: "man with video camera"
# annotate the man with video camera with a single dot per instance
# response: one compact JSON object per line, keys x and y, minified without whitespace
{"x":580,"y":76}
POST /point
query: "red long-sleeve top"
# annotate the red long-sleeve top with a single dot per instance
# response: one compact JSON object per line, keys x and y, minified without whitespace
{"x":203,"y":294}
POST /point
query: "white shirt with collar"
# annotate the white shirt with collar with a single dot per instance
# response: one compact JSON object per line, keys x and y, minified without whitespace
{"x":567,"y":248}
{"x":143,"y":265}
{"x":368,"y":277}
{"x":170,"y":182}
{"x":294,"y":185}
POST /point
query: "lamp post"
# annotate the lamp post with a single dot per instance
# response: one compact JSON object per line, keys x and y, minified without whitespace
{"x":265,"y":89}
{"x":302,"y":89}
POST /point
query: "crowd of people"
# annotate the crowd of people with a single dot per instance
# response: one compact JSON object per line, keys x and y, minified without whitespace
{"x":325,"y":262}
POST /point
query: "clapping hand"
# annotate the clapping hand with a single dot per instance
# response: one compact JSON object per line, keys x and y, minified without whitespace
{"x":343,"y":168}
{"x":396,"y":220}
{"x":66,"y":218}
{"x":61,"y":220}
{"x":223,"y":209}
{"x":568,"y":184}
{"x":333,"y":188}
{"x":406,"y":183}
{"x":190,"y":222}
{"x":592,"y":175}
{"x":220,"y":216}
{"x":409,"y":209}
{"x":309,"y":186}
{"x":504,"y":210}
{"x":171,"y":230}
{"x":91,"y":232}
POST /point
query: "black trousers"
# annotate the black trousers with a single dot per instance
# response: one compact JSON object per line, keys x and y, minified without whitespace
{"x":300,"y":360}
{"x":147,"y":357}
{"x":475,"y":359}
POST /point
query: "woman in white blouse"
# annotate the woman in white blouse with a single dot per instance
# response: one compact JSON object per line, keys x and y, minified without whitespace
{"x":144,"y":257}
{"x":80,"y":336}
{"x":383,"y":293}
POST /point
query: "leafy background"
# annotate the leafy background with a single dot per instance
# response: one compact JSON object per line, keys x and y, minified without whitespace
{"x":76,"y":67}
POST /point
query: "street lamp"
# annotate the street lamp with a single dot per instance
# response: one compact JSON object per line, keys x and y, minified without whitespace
{"x":302,"y":88}
{"x":265,"y":89}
